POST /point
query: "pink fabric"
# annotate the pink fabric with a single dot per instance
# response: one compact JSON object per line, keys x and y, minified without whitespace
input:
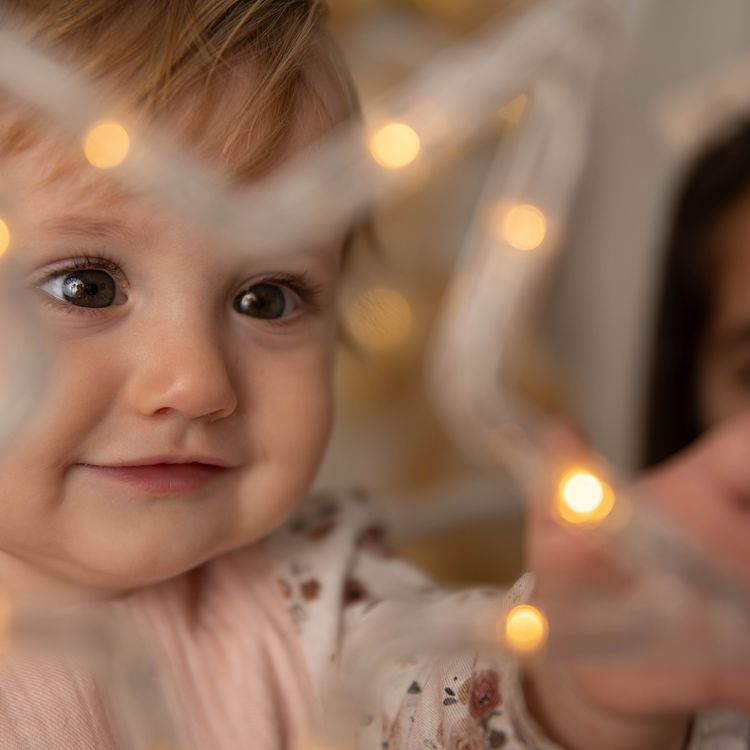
{"x":229,"y":654}
{"x":47,"y":705}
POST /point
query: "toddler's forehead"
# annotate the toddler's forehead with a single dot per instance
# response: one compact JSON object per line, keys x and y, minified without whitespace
{"x":228,"y":129}
{"x":213,"y":127}
{"x":51,"y":182}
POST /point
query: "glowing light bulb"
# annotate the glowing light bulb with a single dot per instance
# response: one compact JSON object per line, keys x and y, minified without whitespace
{"x":522,"y":225}
{"x":4,"y":238}
{"x":525,"y":629}
{"x":395,"y":145}
{"x":583,"y":498}
{"x":106,"y":144}
{"x":381,"y":319}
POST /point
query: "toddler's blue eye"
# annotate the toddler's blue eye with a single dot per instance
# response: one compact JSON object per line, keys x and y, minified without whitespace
{"x":83,"y":288}
{"x":265,"y":301}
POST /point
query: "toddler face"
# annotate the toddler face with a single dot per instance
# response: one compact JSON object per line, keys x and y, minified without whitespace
{"x":190,"y":401}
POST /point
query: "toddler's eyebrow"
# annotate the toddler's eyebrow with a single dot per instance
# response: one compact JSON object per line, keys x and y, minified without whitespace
{"x":90,"y":226}
{"x":97,"y":228}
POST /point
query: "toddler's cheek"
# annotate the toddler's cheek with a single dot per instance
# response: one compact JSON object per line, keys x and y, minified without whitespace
{"x":290,"y":428}
{"x":73,"y":415}
{"x":301,"y":440}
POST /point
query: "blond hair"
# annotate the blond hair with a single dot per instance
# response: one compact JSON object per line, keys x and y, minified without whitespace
{"x":273,"y":55}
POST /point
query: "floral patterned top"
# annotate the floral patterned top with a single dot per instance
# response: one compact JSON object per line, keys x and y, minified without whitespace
{"x":351,"y":602}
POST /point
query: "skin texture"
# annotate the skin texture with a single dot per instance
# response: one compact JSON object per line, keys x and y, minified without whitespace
{"x":724,"y":370}
{"x":175,"y":369}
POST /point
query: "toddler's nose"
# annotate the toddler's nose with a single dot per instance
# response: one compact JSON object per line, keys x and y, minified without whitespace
{"x":183,"y":371}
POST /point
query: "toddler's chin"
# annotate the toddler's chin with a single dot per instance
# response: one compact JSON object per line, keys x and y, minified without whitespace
{"x":127,"y":563}
{"x":116,"y":542}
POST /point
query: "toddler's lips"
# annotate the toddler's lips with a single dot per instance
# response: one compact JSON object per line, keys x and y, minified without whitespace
{"x":162,"y":479}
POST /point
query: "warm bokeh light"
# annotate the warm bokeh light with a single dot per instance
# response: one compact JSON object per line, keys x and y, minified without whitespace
{"x":4,"y":237}
{"x":522,"y":226}
{"x":106,"y":144}
{"x":525,"y":629}
{"x":583,"y":498}
{"x":381,"y":319}
{"x":395,"y":145}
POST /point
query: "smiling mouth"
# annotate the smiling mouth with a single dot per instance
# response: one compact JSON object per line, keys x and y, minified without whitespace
{"x":161,"y":479}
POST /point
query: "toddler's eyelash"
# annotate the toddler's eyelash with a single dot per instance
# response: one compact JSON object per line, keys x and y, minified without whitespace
{"x":84,"y":262}
{"x":100,"y":262}
{"x":310,"y":294}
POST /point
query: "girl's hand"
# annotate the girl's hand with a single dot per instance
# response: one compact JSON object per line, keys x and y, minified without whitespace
{"x":637,"y":701}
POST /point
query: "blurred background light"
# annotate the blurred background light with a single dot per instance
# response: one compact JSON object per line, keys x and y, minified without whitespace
{"x":381,"y":320}
{"x":395,"y":145}
{"x":525,"y":629}
{"x":106,"y":144}
{"x":583,"y":498}
{"x":523,"y":226}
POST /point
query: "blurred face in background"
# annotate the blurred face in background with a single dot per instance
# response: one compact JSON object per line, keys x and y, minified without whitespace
{"x":724,"y":359}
